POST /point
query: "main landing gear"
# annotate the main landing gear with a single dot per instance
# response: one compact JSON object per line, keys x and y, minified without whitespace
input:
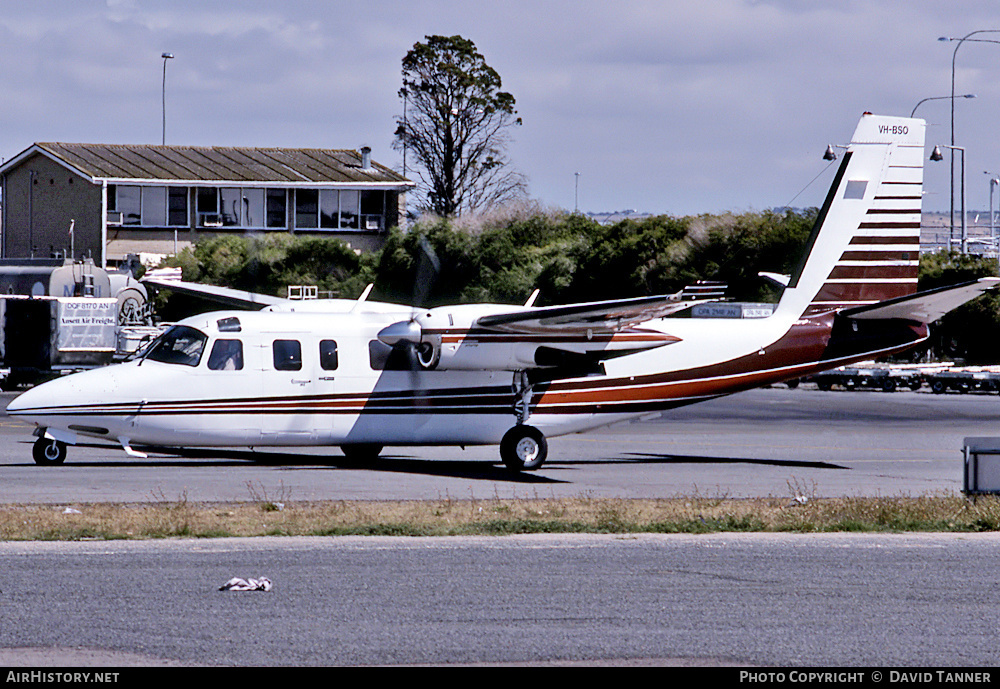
{"x":48,"y":451}
{"x":523,"y":447}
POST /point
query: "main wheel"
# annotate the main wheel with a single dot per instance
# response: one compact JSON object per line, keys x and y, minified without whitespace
{"x":523,"y":448}
{"x":48,"y":451}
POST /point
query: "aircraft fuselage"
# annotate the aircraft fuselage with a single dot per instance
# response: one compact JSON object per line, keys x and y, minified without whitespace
{"x":312,"y":379}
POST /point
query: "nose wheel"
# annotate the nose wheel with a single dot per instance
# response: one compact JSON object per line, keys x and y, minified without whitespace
{"x":523,"y":448}
{"x":48,"y":451}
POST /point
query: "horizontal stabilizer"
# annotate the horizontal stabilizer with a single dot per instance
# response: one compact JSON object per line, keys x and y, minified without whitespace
{"x":924,"y":307}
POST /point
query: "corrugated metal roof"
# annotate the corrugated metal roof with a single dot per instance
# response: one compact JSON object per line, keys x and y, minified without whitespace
{"x":221,"y":164}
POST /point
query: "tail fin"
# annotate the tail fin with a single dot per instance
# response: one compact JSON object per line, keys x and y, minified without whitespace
{"x":865,"y":246}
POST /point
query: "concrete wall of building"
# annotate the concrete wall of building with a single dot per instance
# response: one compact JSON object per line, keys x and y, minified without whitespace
{"x":39,"y":207}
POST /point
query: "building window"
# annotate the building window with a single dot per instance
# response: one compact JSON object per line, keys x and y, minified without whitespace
{"x":148,"y":206}
{"x":154,"y":206}
{"x":339,"y":209}
{"x":372,"y":210}
{"x":130,"y":204}
{"x":207,"y":207}
{"x":329,"y":214}
{"x":232,"y":207}
{"x":277,"y":208}
{"x":349,"y":200}
{"x":177,"y":206}
{"x":253,"y":208}
{"x":307,"y":208}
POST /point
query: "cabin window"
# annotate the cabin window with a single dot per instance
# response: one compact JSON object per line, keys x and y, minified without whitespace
{"x":287,"y":355}
{"x":179,"y":345}
{"x":227,"y":355}
{"x":382,"y":357}
{"x":328,"y":355}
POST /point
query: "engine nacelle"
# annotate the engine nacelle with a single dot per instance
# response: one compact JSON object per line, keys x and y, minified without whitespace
{"x":448,"y":339}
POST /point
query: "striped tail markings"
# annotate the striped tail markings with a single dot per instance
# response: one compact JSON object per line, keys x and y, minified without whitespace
{"x":866,"y":245}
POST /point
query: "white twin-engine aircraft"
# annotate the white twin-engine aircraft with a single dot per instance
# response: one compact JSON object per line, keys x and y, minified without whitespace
{"x":364,"y":375}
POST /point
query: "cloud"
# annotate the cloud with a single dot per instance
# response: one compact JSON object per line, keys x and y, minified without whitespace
{"x":664,"y":106}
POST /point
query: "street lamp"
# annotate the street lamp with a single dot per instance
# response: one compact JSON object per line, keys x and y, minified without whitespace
{"x":165,"y":56}
{"x":994,"y":181}
{"x":954,"y":54}
{"x":967,"y":95}
{"x":936,"y":156}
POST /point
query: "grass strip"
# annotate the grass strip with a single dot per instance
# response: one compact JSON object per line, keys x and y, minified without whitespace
{"x":497,"y":517}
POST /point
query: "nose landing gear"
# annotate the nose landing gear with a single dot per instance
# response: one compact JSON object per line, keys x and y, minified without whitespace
{"x":48,"y":451}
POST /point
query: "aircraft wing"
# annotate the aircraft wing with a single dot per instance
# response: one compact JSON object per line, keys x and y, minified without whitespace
{"x":225,"y":296}
{"x":600,"y":316}
{"x":927,"y":306}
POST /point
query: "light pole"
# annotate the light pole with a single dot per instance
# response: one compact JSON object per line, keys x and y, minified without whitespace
{"x":967,"y":95}
{"x":954,"y":54}
{"x":405,"y":129}
{"x":994,"y":181}
{"x":576,"y":193}
{"x":936,"y":155}
{"x":165,"y":56}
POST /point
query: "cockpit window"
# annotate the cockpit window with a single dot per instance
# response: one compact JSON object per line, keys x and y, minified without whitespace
{"x":179,"y":345}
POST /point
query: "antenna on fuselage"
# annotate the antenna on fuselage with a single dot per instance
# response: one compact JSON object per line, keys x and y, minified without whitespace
{"x":364,"y":295}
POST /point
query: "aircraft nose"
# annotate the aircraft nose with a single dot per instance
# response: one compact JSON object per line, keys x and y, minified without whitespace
{"x":86,"y":388}
{"x":35,"y":399}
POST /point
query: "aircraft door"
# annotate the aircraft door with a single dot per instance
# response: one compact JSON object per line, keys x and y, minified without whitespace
{"x":294,"y":384}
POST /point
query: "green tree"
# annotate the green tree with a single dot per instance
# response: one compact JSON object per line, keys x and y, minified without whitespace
{"x":971,"y":332}
{"x":456,"y":126}
{"x":429,"y":266}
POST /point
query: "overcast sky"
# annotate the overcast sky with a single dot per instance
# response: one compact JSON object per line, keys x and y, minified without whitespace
{"x":665,"y":106}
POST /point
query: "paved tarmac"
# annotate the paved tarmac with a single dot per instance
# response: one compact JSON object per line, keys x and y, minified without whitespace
{"x":766,"y":600}
{"x":770,"y":442}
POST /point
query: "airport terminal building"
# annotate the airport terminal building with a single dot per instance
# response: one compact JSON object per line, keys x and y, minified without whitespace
{"x":106,"y":201}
